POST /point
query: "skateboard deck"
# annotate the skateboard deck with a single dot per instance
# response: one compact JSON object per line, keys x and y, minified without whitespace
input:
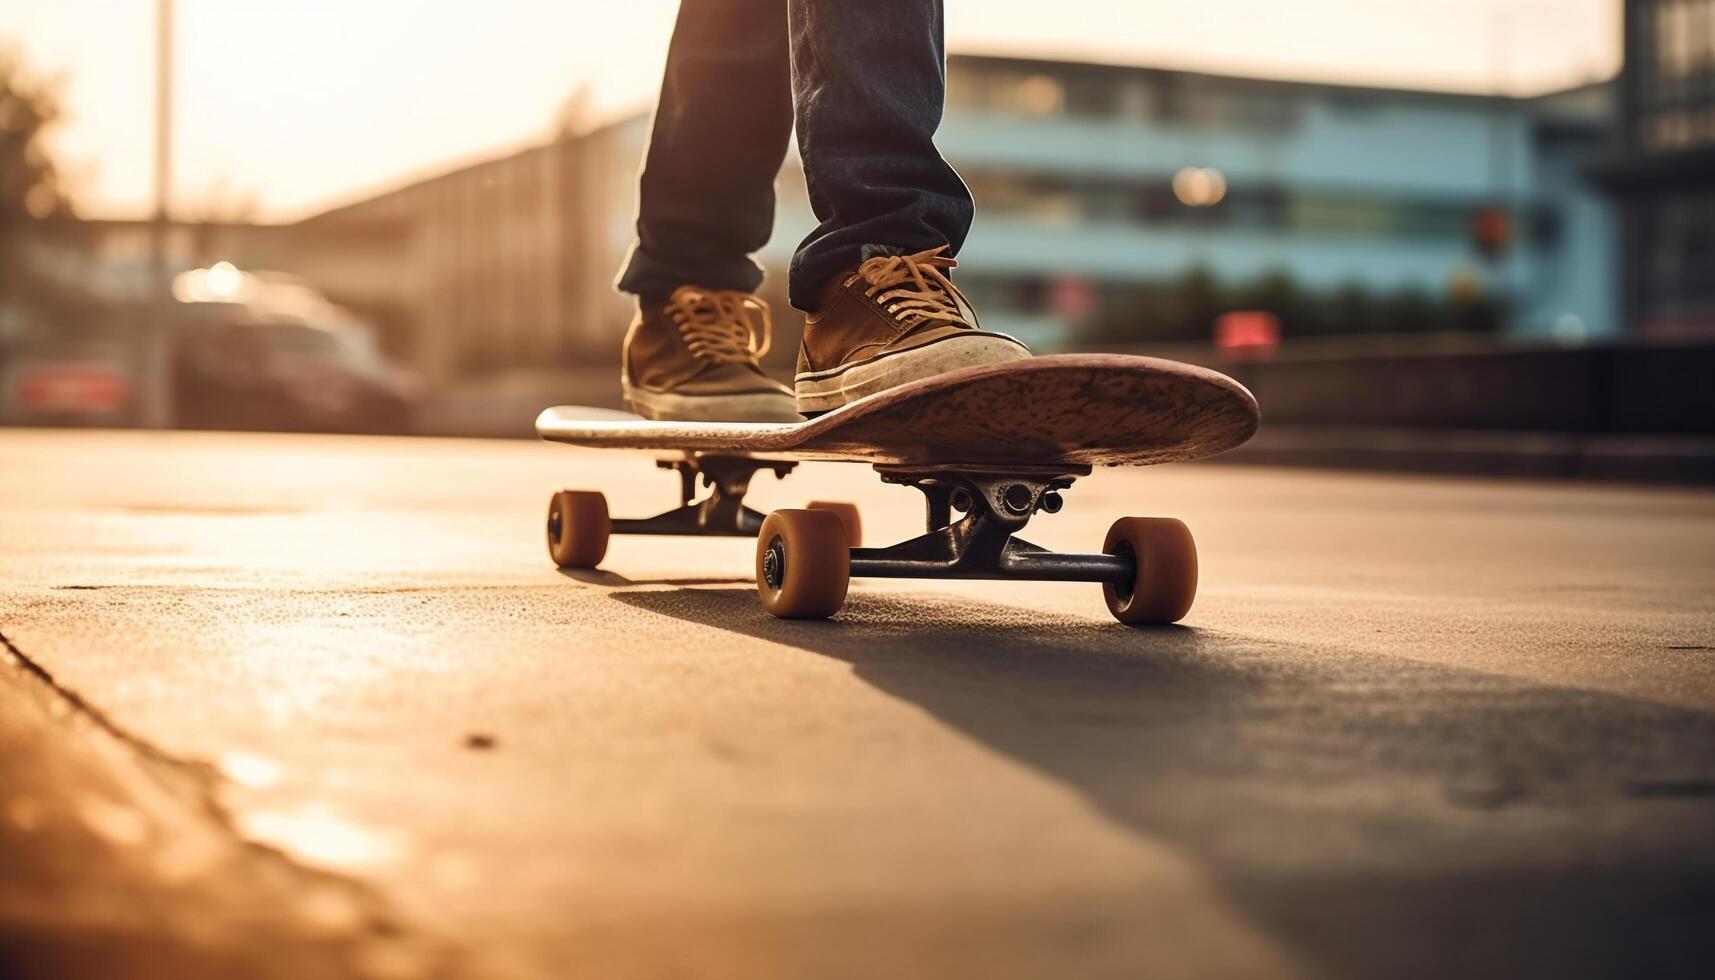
{"x":989,"y":447}
{"x":1080,"y":409}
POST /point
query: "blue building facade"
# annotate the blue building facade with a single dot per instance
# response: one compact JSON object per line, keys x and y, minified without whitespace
{"x":1093,"y":180}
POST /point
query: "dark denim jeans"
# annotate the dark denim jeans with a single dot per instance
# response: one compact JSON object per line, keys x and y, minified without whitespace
{"x":863,"y":79}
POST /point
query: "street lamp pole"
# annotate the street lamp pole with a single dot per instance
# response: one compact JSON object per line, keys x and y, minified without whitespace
{"x":156,"y":374}
{"x":163,"y":107}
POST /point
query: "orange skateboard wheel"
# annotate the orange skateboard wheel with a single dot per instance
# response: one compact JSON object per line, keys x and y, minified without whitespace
{"x":1165,"y":583}
{"x":803,"y":564}
{"x":849,"y":516}
{"x":578,"y":528}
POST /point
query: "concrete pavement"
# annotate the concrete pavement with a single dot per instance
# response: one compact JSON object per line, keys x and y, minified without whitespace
{"x":1411,"y":728}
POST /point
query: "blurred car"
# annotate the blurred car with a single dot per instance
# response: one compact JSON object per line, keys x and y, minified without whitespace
{"x":235,"y":369}
{"x":266,"y":350}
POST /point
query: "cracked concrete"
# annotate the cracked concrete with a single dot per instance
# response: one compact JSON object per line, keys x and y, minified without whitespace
{"x":121,"y":861}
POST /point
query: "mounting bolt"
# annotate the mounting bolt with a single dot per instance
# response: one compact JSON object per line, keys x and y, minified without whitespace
{"x":1018,"y":498}
{"x":961,"y":501}
{"x":1052,"y":502}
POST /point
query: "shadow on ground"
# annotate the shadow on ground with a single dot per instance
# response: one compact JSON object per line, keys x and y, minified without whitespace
{"x":1380,"y":817}
{"x":601,"y":576}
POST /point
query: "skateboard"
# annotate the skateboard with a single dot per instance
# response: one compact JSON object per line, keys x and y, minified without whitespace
{"x":988,"y":446}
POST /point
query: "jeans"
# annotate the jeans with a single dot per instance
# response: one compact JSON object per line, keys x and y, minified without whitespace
{"x":863,"y":79}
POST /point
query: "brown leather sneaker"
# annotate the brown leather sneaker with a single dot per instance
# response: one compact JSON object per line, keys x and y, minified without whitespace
{"x":693,"y":358}
{"x":893,"y":319}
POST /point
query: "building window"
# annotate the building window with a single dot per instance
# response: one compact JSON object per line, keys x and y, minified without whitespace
{"x":1038,"y":96}
{"x":1678,"y":257}
{"x":1684,"y":39}
{"x":1098,"y":95}
{"x":1122,"y":97}
{"x":1676,"y":80}
{"x":1069,"y":200}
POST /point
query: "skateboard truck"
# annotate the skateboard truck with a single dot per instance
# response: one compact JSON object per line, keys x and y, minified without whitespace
{"x":579,"y":525}
{"x":805,"y":561}
{"x":983,"y":544}
{"x":722,"y":512}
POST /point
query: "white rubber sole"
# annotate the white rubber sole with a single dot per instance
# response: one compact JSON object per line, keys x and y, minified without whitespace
{"x":750,"y":406}
{"x":827,"y":390}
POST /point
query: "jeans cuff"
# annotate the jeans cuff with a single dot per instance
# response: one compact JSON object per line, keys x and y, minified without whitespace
{"x":646,"y":274}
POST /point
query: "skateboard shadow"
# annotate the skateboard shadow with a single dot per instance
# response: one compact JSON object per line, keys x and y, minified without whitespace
{"x":598,"y":576}
{"x":1378,"y":816}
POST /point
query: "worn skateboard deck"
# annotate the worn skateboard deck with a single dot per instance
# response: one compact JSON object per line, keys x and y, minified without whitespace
{"x":1081,"y":409}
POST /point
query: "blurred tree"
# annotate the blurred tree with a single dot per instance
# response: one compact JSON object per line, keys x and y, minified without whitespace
{"x":1482,"y":314}
{"x":1133,"y":313}
{"x":1278,"y":293}
{"x":1411,"y":311}
{"x":1200,"y":302}
{"x":1185,"y":309}
{"x":30,"y":197}
{"x":29,"y":184}
{"x":1351,"y":310}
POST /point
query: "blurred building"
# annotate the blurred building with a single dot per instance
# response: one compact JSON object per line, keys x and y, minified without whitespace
{"x":1093,"y":181}
{"x":1664,"y":173}
{"x":1097,"y":187}
{"x":505,"y":263}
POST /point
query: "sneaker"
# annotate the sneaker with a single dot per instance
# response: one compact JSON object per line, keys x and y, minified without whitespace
{"x":893,"y":319}
{"x":693,"y":358}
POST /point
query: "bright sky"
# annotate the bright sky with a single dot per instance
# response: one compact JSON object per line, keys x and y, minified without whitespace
{"x":301,"y":103}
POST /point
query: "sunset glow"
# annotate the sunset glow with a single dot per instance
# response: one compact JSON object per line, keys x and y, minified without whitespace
{"x":286,"y":106}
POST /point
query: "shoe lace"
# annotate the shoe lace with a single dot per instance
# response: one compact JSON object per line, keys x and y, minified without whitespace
{"x":915,"y":290}
{"x":724,"y":326}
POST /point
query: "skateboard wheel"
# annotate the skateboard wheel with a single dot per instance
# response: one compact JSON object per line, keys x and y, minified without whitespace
{"x":803,"y":564}
{"x":848,"y":514}
{"x":1165,"y":582}
{"x":578,"y":527}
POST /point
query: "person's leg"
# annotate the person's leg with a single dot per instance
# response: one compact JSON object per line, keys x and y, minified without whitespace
{"x":706,"y":202}
{"x":868,"y":82}
{"x":720,"y":132}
